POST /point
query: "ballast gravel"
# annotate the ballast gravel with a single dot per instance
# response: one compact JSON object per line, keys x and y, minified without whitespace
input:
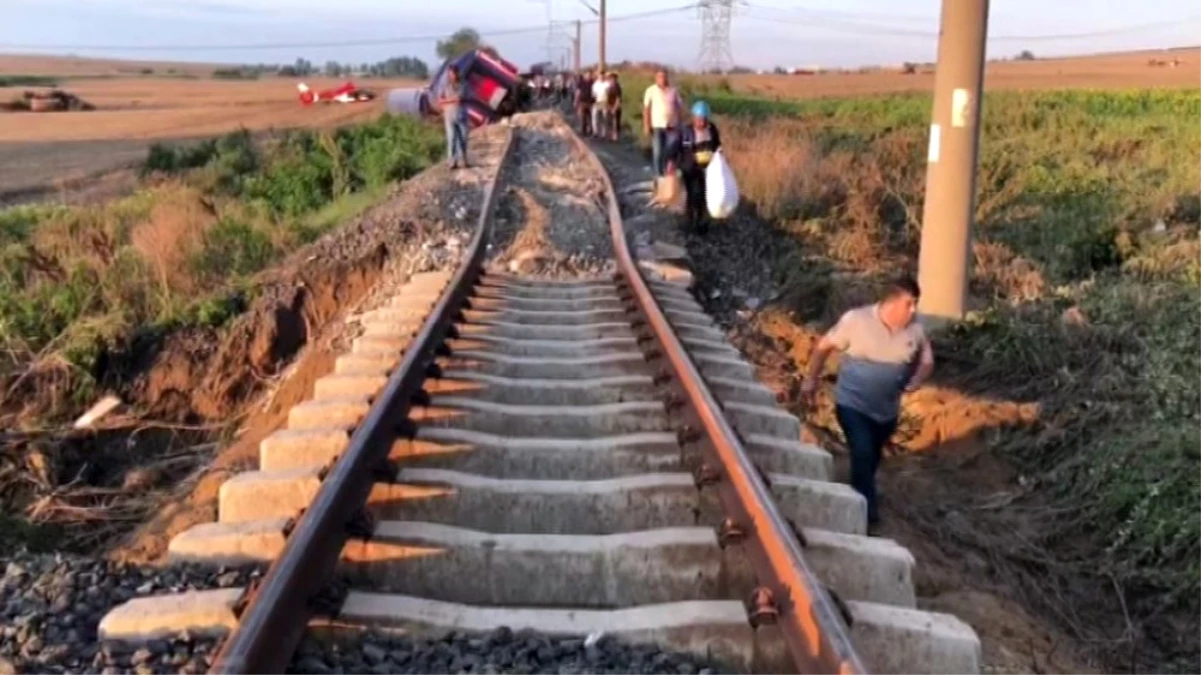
{"x":501,"y":651}
{"x":51,"y":605}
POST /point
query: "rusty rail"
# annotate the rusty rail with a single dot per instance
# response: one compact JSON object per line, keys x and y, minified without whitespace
{"x":798,"y":603}
{"x":277,"y":612}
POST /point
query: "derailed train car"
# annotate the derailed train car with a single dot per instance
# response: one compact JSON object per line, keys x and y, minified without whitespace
{"x":495,"y":89}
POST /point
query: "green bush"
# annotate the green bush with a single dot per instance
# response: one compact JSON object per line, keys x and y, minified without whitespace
{"x":28,"y":81}
{"x":233,"y":248}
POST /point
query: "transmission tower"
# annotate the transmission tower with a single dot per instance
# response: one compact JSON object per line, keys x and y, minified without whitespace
{"x":716,"y":17}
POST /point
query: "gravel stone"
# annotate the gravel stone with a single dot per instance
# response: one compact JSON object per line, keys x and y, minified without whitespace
{"x":551,"y":220}
{"x":54,"y":603}
{"x":501,"y":651}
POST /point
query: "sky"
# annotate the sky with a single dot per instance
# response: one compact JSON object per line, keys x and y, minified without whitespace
{"x":764,"y":33}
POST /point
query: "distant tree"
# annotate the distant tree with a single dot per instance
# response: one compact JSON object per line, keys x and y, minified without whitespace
{"x":1024,"y":55}
{"x":909,"y":68}
{"x":333,"y":68}
{"x":779,"y":70}
{"x":460,"y":42}
{"x":303,"y":67}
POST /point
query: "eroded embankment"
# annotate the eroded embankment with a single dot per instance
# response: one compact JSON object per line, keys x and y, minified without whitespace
{"x":424,"y":226}
{"x":240,"y":381}
{"x":190,"y":391}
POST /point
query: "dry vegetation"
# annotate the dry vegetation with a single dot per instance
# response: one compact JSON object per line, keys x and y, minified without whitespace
{"x":1061,"y":428}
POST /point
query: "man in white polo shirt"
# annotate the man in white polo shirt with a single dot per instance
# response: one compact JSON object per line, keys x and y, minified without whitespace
{"x":884,"y":352}
{"x":600,"y":111}
{"x":661,"y":105}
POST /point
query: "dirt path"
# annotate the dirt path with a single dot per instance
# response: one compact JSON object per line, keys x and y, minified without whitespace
{"x":738,"y":286}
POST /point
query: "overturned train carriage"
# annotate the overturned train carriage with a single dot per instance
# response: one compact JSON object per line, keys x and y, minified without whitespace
{"x":493,"y":85}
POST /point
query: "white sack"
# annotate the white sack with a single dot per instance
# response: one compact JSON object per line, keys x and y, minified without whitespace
{"x":721,"y":191}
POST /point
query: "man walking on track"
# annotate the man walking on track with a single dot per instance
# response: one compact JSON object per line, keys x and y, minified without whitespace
{"x":884,"y":352}
{"x":661,"y":105}
{"x":454,"y":117}
{"x":600,"y":103}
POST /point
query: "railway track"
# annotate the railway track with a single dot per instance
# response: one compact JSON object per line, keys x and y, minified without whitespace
{"x":583,"y":457}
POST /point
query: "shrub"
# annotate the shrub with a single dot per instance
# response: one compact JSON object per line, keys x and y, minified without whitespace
{"x":232,"y":248}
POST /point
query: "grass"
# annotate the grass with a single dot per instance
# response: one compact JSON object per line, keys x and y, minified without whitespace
{"x":79,"y":283}
{"x":1085,"y":289}
{"x":28,"y":81}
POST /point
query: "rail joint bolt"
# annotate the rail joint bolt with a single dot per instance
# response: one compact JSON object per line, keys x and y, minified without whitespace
{"x":763,"y":611}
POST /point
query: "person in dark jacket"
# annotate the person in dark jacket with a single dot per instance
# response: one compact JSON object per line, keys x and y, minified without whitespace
{"x":614,"y":107}
{"x":583,"y":103}
{"x":691,"y":151}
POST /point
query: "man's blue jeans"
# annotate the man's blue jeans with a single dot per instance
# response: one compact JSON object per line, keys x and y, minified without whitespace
{"x":866,"y":437}
{"x":659,"y":151}
{"x":456,"y":140}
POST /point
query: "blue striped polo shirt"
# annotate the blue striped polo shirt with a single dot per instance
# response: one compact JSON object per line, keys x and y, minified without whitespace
{"x":876,"y":363}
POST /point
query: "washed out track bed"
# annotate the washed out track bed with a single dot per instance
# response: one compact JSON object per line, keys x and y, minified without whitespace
{"x":515,"y":473}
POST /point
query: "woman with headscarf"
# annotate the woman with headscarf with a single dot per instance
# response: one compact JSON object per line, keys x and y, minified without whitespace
{"x":690,"y":152}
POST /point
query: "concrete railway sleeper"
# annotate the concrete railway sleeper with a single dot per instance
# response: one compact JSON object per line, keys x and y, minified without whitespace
{"x":552,"y":456}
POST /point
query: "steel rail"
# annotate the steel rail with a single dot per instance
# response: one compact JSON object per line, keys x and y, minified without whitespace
{"x":816,"y":634}
{"x":276,"y":614}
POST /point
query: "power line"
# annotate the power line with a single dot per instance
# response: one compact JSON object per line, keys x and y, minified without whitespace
{"x":716,"y":16}
{"x":341,"y":43}
{"x":834,"y":13}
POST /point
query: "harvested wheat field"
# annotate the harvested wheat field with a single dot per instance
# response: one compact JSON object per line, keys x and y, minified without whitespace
{"x":1102,"y":71}
{"x":45,"y":154}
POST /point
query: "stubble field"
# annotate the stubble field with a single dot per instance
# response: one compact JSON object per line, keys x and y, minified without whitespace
{"x":1102,"y":71}
{"x":74,"y":155}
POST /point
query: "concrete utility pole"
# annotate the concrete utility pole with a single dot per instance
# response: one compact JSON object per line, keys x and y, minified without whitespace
{"x":602,"y":35}
{"x":951,"y":160}
{"x":575,"y":53}
{"x":600,"y":15}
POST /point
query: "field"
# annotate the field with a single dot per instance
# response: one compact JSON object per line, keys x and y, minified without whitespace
{"x":1046,"y":479}
{"x":1055,"y":458}
{"x":70,"y":154}
{"x":1104,"y":71}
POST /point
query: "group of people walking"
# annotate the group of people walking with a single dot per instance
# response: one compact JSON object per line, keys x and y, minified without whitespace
{"x":675,"y":145}
{"x":597,"y":103}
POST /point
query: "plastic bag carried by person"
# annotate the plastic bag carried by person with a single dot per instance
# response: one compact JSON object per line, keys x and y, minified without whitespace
{"x":721,"y":191}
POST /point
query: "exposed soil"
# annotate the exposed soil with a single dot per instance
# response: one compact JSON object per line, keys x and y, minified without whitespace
{"x":938,"y":462}
{"x":190,"y":391}
{"x":275,"y":353}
